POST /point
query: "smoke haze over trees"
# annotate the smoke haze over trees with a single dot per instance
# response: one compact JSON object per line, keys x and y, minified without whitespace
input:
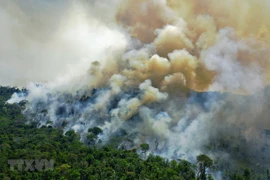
{"x":186,"y":77}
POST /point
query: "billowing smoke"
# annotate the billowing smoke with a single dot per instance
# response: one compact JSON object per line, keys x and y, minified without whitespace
{"x":185,"y":76}
{"x":45,"y":40}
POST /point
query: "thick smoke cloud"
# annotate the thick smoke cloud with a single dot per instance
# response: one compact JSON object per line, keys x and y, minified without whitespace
{"x":43,"y":40}
{"x":225,"y":59}
{"x":187,"y":76}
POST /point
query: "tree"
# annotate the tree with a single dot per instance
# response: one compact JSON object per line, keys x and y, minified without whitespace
{"x":91,"y":139}
{"x":144,"y":147}
{"x":247,"y":174}
{"x":71,"y":134}
{"x":204,"y":163}
{"x":96,"y":131}
{"x":93,"y":135}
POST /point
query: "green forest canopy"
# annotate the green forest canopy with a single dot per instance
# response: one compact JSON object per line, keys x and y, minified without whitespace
{"x":75,"y":160}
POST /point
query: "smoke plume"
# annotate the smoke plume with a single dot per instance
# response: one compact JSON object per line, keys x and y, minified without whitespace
{"x":185,"y":76}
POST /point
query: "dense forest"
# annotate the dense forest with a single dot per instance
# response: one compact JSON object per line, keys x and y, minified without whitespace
{"x":76,"y":160}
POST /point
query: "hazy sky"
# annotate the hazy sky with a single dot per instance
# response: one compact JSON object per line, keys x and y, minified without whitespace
{"x":42,"y":40}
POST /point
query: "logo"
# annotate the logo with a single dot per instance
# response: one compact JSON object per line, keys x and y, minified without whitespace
{"x":31,"y":164}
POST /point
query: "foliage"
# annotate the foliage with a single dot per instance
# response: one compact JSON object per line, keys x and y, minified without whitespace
{"x":204,"y":163}
{"x":144,"y":147}
{"x":73,"y":159}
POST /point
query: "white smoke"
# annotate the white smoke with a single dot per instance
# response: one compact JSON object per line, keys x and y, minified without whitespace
{"x":232,"y":76}
{"x":94,"y":73}
{"x":43,"y":40}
